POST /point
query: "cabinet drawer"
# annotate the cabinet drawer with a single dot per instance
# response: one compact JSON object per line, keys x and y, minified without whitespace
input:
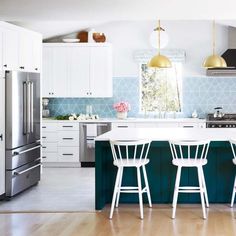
{"x":188,"y":125}
{"x":49,"y":127}
{"x":68,"y":138}
{"x":67,"y":126}
{"x":123,"y":125}
{"x":68,"y":154}
{"x":49,"y":157}
{"x":146,"y":125}
{"x":49,"y":147}
{"x":167,"y":125}
{"x":49,"y":137}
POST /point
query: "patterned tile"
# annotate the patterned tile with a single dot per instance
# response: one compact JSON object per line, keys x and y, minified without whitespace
{"x":200,"y":93}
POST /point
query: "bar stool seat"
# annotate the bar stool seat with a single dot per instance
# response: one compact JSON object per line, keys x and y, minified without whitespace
{"x":130,"y":163}
{"x":130,"y":154}
{"x":190,"y":154}
{"x":189,"y":163}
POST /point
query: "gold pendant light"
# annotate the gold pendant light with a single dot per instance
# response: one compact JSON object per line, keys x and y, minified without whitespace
{"x":159,"y":61}
{"x":214,"y":60}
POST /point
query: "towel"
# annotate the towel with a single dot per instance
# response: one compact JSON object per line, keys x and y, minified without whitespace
{"x":91,"y":130}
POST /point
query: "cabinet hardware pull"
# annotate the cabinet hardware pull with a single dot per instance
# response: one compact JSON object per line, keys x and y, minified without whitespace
{"x":22,"y":67}
{"x":67,"y":154}
{"x":44,"y":147}
{"x":67,"y":138}
{"x":44,"y":157}
{"x":24,"y":171}
{"x":44,"y":137}
{"x":188,"y":126}
{"x":36,"y":68}
{"x":5,"y":65}
{"x":44,"y":127}
{"x":122,"y":126}
{"x":1,"y":137}
{"x":67,"y":126}
{"x":28,"y":150}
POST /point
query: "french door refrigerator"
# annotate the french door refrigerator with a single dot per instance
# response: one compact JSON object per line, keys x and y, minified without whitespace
{"x":23,"y":148}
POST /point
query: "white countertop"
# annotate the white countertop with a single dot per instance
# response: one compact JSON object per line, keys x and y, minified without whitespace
{"x":165,"y":134}
{"x":132,"y":120}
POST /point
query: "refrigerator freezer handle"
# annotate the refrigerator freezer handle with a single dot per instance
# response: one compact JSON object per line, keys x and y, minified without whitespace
{"x":25,"y":108}
{"x":31,"y":107}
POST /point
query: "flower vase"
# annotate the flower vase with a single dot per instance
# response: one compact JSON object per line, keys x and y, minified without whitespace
{"x":121,"y":115}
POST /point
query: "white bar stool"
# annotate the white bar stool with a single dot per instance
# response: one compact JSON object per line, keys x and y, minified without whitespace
{"x":233,"y":146}
{"x":128,"y":154}
{"x":190,"y":154}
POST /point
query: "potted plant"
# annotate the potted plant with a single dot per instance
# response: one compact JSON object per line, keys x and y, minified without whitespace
{"x":121,"y":108}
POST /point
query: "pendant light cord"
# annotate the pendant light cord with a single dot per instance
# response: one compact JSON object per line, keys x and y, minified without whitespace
{"x":159,"y":36}
{"x":214,"y":36}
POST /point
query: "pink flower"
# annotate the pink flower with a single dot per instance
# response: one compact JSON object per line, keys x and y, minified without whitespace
{"x":122,"y":106}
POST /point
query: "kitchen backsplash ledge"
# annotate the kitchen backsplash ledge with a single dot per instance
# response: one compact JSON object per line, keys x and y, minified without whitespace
{"x":198,"y":93}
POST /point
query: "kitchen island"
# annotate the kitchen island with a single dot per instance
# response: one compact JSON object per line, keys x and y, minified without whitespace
{"x":219,"y":172}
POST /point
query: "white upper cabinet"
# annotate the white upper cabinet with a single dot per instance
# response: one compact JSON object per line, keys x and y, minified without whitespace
{"x":100,"y":72}
{"x":22,"y":48}
{"x":25,"y":51}
{"x":10,"y":49}
{"x":77,"y":70}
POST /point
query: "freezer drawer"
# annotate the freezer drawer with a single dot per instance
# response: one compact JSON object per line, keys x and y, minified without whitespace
{"x":22,"y":178}
{"x":21,"y":156}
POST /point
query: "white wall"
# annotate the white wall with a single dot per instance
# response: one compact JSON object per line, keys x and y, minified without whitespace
{"x":195,"y":37}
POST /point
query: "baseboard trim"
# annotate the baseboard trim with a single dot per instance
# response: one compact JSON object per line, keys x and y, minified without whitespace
{"x":87,"y":164}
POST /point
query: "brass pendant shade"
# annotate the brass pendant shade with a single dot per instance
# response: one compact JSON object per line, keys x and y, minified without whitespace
{"x":159,"y":61}
{"x":214,"y":60}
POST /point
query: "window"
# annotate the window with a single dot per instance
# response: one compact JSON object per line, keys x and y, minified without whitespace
{"x":161,"y":89}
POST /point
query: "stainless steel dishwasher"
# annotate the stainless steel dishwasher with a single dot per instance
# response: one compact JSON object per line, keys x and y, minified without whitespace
{"x":88,"y":132}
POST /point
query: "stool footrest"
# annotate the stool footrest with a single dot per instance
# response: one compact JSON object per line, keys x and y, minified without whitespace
{"x":188,"y":187}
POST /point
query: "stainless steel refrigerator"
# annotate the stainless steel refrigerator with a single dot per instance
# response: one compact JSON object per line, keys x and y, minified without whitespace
{"x":23,"y":148}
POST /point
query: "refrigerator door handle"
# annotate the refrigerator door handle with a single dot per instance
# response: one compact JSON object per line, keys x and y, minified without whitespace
{"x":24,"y":108}
{"x":28,"y":108}
{"x":28,"y":150}
{"x":31,"y":107}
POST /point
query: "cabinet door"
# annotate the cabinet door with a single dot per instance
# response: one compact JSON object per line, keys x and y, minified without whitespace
{"x":2,"y":137}
{"x":47,"y":80}
{"x":78,"y":72}
{"x":101,"y":72}
{"x":37,"y":53}
{"x":10,"y":49}
{"x":25,"y":51}
{"x":1,"y":52}
{"x":60,"y":72}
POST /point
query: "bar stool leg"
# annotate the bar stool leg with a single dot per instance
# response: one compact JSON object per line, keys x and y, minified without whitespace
{"x":201,"y":192}
{"x":204,"y":187}
{"x":140,"y":193}
{"x":147,"y":186}
{"x":119,"y":186}
{"x":115,"y":192}
{"x":233,"y":193}
{"x":176,"y":191}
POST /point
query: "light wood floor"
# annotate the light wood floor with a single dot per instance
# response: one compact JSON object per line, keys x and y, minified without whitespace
{"x":221,"y":221}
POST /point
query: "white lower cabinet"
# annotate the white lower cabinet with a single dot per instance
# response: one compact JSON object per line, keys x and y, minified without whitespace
{"x":60,"y":143}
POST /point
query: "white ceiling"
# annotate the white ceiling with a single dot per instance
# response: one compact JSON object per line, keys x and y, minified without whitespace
{"x":84,"y":10}
{"x":58,"y":17}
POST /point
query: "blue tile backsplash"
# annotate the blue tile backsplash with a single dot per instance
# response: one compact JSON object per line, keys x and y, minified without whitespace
{"x":200,"y":93}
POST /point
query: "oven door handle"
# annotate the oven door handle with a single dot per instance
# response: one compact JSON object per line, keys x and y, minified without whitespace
{"x":23,"y":171}
{"x":28,"y":150}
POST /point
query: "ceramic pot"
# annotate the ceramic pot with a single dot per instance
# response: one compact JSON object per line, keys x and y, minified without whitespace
{"x":121,"y":115}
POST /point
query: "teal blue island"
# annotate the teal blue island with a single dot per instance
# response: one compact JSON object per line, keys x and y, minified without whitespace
{"x":219,"y":171}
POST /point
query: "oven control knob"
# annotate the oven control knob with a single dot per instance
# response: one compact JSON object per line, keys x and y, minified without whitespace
{"x":230,"y":126}
{"x":226,"y":126}
{"x":219,"y":126}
